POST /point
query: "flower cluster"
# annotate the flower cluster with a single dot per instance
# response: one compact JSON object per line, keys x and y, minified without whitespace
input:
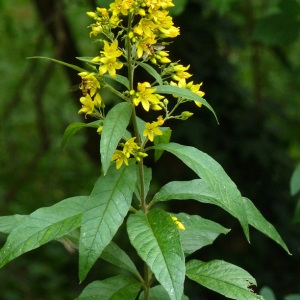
{"x":130,"y":148}
{"x":91,"y":100}
{"x":140,"y":41}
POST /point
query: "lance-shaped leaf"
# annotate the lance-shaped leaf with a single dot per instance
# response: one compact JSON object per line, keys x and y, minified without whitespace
{"x":198,"y":190}
{"x":151,"y":71}
{"x":114,"y":129}
{"x":158,"y":293}
{"x":184,"y":93}
{"x":164,"y":138}
{"x":107,"y":206}
{"x":214,"y":177}
{"x":157,"y":241}
{"x":74,"y":127}
{"x":118,"y":287}
{"x":61,"y":63}
{"x":224,"y":278}
{"x":42,"y":226}
{"x":116,"y":256}
{"x":9,"y":223}
{"x":256,"y":219}
{"x":199,"y":232}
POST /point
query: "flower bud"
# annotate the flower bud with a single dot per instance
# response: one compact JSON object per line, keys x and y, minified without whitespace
{"x":91,"y":14}
{"x":185,"y":115}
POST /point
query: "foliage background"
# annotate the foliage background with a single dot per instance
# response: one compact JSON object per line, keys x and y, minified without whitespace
{"x":245,"y":52}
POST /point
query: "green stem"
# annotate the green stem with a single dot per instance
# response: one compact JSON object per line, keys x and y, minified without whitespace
{"x":144,"y":207}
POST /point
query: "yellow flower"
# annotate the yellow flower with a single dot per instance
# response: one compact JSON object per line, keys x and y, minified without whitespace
{"x":145,"y":96}
{"x":121,"y":7}
{"x":109,"y":65}
{"x":111,"y":51}
{"x":180,"y":74}
{"x":143,"y":45}
{"x":196,"y":89}
{"x":152,"y":129}
{"x":87,"y":105}
{"x":119,"y":157}
{"x":131,"y":147}
{"x":144,"y":28}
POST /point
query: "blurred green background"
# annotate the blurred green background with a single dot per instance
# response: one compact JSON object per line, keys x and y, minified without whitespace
{"x":247,"y":55}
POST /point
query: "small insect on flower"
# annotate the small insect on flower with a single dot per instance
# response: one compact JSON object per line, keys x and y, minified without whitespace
{"x":84,"y":86}
{"x":150,"y":49}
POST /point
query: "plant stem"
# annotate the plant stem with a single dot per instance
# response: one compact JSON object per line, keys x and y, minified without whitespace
{"x":143,"y":204}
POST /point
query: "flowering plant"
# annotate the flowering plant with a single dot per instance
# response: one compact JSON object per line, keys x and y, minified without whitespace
{"x":132,"y":35}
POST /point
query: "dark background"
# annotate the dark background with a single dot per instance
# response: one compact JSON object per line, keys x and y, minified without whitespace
{"x":247,"y":55}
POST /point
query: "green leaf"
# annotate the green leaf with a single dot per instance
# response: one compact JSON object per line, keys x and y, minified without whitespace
{"x":87,"y":59}
{"x":229,"y":280}
{"x":199,"y":232}
{"x":9,"y":223}
{"x":219,"y":183}
{"x":118,"y":288}
{"x":116,"y":256}
{"x":296,"y":217}
{"x":157,"y":241}
{"x":184,"y":93}
{"x":74,"y":127}
{"x":178,"y":8}
{"x":141,"y":126}
{"x":292,"y":297}
{"x":151,"y":71}
{"x":267,"y":293}
{"x":114,"y":129}
{"x":159,"y":139}
{"x":119,"y":78}
{"x":106,"y":209}
{"x":42,"y":226}
{"x":61,"y":63}
{"x":295,"y":181}
{"x":158,"y":293}
{"x":256,"y":219}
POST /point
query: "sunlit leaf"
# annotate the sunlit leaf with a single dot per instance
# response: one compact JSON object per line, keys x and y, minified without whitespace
{"x":157,"y":241}
{"x":9,"y":223}
{"x":106,"y":209}
{"x":214,"y":176}
{"x":42,"y":226}
{"x":118,"y":288}
{"x":114,"y":129}
{"x":184,"y":93}
{"x":224,"y":278}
